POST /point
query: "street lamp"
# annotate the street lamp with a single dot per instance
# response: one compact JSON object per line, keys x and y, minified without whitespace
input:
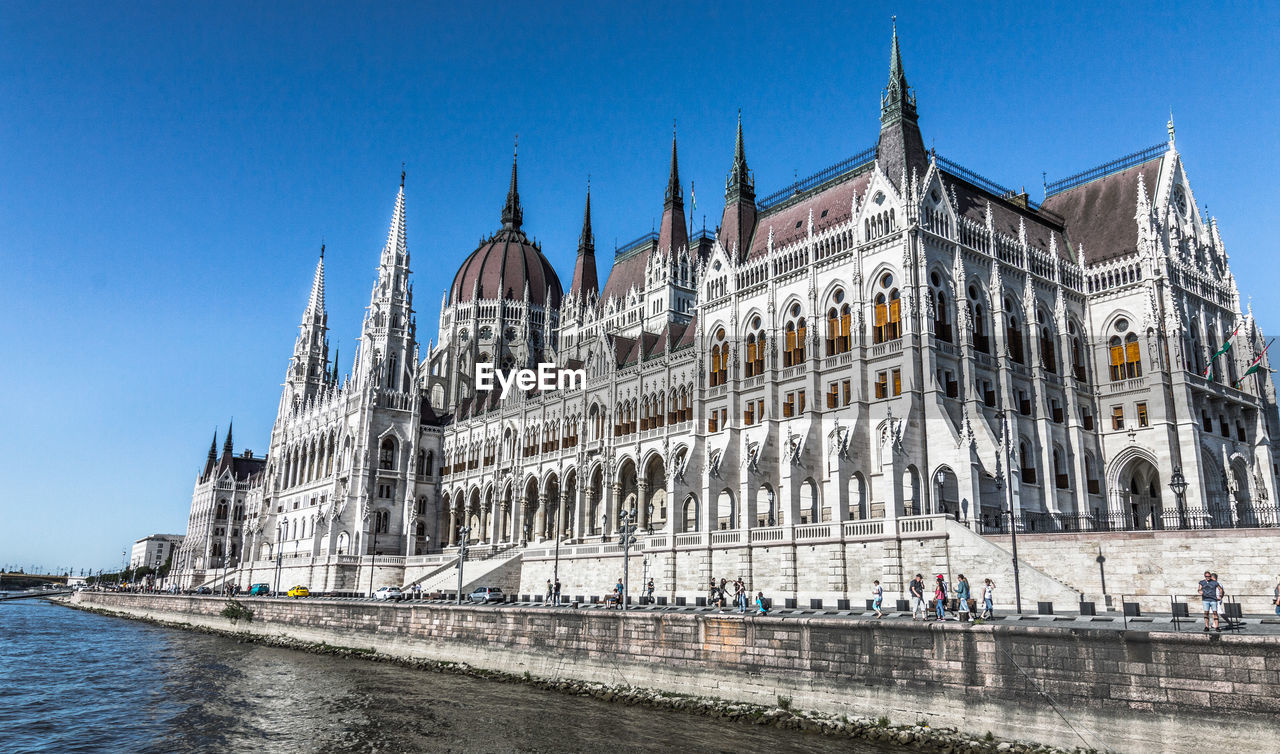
{"x":373,"y":559}
{"x":556,"y":568}
{"x":604,"y":527}
{"x":284,"y":527}
{"x":626,"y":537}
{"x":940,"y":479}
{"x":463,"y":533}
{"x":1178,"y":483}
{"x":1013,"y":523}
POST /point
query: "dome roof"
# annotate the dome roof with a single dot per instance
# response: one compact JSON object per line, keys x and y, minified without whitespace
{"x":506,"y":262}
{"x":501,"y":268}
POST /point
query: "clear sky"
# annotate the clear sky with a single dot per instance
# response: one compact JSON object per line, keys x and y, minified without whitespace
{"x":168,"y":170}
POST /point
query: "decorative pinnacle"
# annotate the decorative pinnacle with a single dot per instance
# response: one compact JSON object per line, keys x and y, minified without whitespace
{"x":512,"y":216}
{"x":674,"y":193}
{"x":1170,"y":127}
{"x":402,"y":175}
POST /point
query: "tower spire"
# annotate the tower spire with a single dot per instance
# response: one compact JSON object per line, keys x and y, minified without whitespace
{"x":672,"y":233}
{"x":512,"y":215}
{"x":900,"y":150}
{"x":585,"y":282}
{"x":315,"y":303}
{"x":229,"y":447}
{"x":739,"y":219}
{"x":213,"y":446}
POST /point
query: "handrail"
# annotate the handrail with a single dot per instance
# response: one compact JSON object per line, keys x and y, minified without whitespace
{"x":817,"y":179}
{"x":1103,"y":170}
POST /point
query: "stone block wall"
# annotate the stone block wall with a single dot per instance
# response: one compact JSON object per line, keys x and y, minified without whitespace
{"x":1125,"y":691}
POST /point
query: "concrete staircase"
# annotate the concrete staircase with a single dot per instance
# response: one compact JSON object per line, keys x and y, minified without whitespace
{"x":491,"y":571}
{"x":979,"y":559}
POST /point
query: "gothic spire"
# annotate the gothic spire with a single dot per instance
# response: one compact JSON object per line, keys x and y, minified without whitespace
{"x":512,"y":215}
{"x":901,"y":147}
{"x":213,"y":446}
{"x":740,"y":182}
{"x":315,"y":304}
{"x":585,"y":282}
{"x":672,"y":234}
{"x":228,"y":447}
{"x":739,"y":219}
{"x":396,"y":238}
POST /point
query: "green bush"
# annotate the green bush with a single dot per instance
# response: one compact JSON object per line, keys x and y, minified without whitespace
{"x":235,"y":611}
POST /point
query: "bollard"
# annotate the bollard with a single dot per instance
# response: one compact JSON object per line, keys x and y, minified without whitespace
{"x":904,"y":606}
{"x":680,"y":602}
{"x":842,"y":604}
{"x":815,"y":604}
{"x":662,"y":602}
{"x":1044,"y":608}
{"x":1131,"y":610}
{"x":871,"y":604}
{"x":1088,"y":608}
{"x":700,"y":601}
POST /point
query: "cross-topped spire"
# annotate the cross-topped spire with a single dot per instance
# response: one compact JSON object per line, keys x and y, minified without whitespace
{"x":672,"y":233}
{"x":585,"y":281}
{"x":740,"y":183}
{"x":512,"y":215}
{"x":213,"y":446}
{"x":898,"y":101}
{"x":229,"y":447}
{"x":315,"y":304}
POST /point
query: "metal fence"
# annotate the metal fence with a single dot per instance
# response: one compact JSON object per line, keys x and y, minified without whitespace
{"x":1186,"y":519}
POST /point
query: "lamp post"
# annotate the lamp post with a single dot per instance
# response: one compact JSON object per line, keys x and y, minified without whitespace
{"x":939,"y":479}
{"x":373,"y":559}
{"x":604,"y":527}
{"x":555,"y":571}
{"x":284,"y":526}
{"x":1013,"y":522}
{"x":626,"y":537}
{"x":1178,"y":483}
{"x":463,"y":533}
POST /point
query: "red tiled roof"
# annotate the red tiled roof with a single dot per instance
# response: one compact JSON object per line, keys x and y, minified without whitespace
{"x":1004,"y":215}
{"x":836,"y":200}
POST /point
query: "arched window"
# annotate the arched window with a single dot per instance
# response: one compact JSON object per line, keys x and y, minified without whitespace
{"x":1059,"y":470}
{"x":221,"y":513}
{"x":1048,"y":357}
{"x":1026,"y":463}
{"x":1077,"y":352}
{"x":1013,"y":337}
{"x":888,"y":311}
{"x":839,"y":320}
{"x":1126,"y":357}
{"x":719,"y":359}
{"x":794,"y":353}
{"x":941,"y":316}
{"x":387,"y":454}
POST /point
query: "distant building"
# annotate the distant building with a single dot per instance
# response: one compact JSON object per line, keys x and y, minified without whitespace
{"x":154,"y":550}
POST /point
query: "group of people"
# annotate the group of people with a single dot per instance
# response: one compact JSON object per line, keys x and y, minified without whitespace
{"x":1212,"y":594}
{"x":965,"y":598}
{"x":553,"y":592}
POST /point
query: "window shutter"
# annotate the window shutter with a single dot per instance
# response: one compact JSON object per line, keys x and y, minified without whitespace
{"x":1132,"y":354}
{"x":881,"y":315}
{"x":895,"y":310}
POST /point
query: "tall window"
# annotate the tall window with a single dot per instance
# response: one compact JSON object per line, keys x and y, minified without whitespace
{"x":387,"y":454}
{"x":719,"y":359}
{"x":888,"y":311}
{"x":794,"y":353}
{"x":1013,"y":334}
{"x":1126,"y":357}
{"x":1027,"y":463}
{"x":1077,"y":353}
{"x":839,"y":319}
{"x":1048,"y":354}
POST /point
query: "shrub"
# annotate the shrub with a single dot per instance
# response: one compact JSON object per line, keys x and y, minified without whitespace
{"x":235,"y":611}
{"x":784,"y":702}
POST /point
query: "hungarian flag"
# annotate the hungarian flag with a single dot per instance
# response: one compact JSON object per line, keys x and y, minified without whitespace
{"x":1208,"y":370}
{"x":693,"y":198}
{"x":1255,"y":365}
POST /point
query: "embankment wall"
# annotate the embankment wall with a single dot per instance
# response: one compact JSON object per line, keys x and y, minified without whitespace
{"x":1125,"y":691}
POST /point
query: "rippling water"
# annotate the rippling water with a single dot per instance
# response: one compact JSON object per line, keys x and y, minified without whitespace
{"x":72,"y":681}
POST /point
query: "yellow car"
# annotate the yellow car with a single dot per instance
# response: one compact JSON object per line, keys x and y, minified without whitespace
{"x":299,"y":591}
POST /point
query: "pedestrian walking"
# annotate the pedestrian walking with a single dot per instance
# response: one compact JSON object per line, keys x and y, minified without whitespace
{"x":740,"y":595}
{"x":1208,"y":590}
{"x":649,"y":588}
{"x":713,"y":594}
{"x":1276,"y":601}
{"x":617,"y":594}
{"x":917,"y":597}
{"x":417,"y":591}
{"x":760,"y":606}
{"x":940,"y":597}
{"x":557,"y":593}
{"x":988,"y":599}
{"x":962,"y":595}
{"x":550,"y":591}
{"x":877,"y":598}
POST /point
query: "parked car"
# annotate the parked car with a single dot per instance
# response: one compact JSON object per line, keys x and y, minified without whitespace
{"x":299,"y":591}
{"x":204,"y":590}
{"x":486,"y":594}
{"x":388,"y":593}
{"x":259,"y":590}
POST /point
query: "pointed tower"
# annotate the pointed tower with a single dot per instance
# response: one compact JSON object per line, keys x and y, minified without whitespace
{"x":228,"y":447}
{"x":739,"y":219}
{"x":901,"y":148}
{"x":512,"y":215}
{"x":387,"y":343}
{"x":585,"y":283}
{"x":212,"y":460}
{"x":672,"y":234}
{"x":310,"y":362}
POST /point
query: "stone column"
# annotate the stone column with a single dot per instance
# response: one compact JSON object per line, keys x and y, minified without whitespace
{"x":453,"y":526}
{"x":540,"y":519}
{"x":562,"y":517}
{"x":504,"y":522}
{"x":642,"y":502}
{"x":485,"y":522}
{"x":612,"y":506}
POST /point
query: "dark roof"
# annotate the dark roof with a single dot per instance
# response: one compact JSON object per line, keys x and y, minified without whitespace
{"x":1005,"y":215}
{"x":1099,"y":214}
{"x":836,"y":199}
{"x":627,"y":271}
{"x":502,"y":266}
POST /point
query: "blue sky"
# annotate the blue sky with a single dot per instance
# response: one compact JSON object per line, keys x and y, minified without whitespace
{"x":168,"y":170}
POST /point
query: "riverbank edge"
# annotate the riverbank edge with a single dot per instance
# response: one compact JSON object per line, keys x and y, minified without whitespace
{"x":920,"y":737}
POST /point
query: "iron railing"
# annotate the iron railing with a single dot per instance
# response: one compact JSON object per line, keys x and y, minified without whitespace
{"x":1154,"y":520}
{"x":633,"y":245}
{"x":850,"y":165}
{"x":1105,"y":169}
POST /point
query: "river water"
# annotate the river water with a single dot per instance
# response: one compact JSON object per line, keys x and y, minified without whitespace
{"x":72,"y":681}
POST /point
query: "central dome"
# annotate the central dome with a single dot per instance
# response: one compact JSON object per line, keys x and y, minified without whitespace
{"x":506,"y":262}
{"x":501,"y":268}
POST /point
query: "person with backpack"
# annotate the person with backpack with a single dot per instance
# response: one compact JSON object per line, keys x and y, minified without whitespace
{"x":877,"y":598}
{"x":962,"y":594}
{"x":940,"y":597}
{"x":760,"y":606}
{"x":917,"y":597}
{"x":988,"y":599}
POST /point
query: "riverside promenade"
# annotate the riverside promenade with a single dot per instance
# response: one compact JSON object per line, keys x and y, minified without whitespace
{"x":1066,"y":683}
